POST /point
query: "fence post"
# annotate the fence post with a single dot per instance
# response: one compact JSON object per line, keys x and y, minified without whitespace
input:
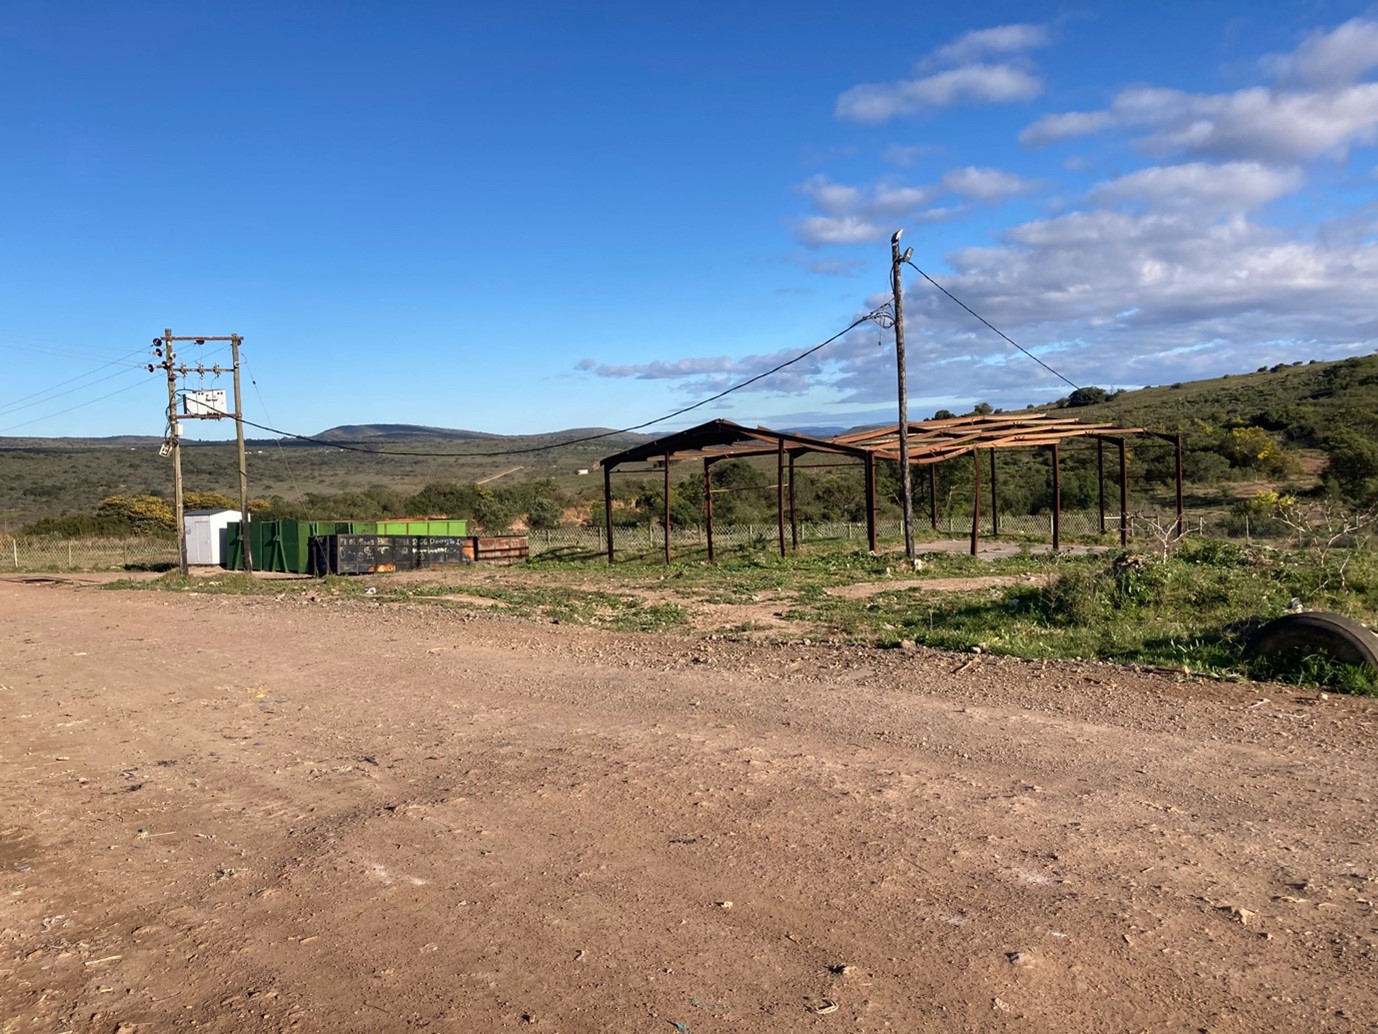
{"x":14,"y":544}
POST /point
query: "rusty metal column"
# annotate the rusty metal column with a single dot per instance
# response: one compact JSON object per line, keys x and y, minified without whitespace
{"x":1057,"y":498}
{"x":975,"y":500}
{"x":708,"y":506}
{"x":1100,"y":479}
{"x":994,"y":501}
{"x":1124,"y":495}
{"x":667,"y":507}
{"x":793,"y":508}
{"x":607,"y":508}
{"x":1181,"y":511}
{"x":780,"y":493}
{"x":933,"y":494}
{"x":870,"y":474}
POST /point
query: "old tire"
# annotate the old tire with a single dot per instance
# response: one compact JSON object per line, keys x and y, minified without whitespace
{"x":1316,"y":632}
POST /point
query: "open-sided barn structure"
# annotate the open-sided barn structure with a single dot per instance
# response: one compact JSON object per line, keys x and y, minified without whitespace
{"x":930,"y":442}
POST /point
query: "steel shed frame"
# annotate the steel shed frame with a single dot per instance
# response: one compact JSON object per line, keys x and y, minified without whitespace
{"x":930,"y":442}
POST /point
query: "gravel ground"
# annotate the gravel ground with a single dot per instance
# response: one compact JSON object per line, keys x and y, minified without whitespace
{"x":250,"y":814}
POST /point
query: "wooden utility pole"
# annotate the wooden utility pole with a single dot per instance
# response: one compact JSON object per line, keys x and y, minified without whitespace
{"x":175,"y":443}
{"x":244,"y":547}
{"x":214,"y":410}
{"x":906,"y":474}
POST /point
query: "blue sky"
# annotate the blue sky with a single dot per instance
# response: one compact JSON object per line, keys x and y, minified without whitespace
{"x":563,"y":215}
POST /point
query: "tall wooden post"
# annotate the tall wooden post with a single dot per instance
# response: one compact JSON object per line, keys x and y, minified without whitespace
{"x":175,"y":437}
{"x":906,"y":472}
{"x":1057,"y":498}
{"x":994,"y":501}
{"x":870,"y":474}
{"x":667,"y":507}
{"x":793,"y":508}
{"x":1124,"y":495}
{"x":975,"y":500}
{"x":1181,"y":511}
{"x":245,"y":548}
{"x":1100,"y":480}
{"x":708,"y":504}
{"x":933,"y":494}
{"x":607,"y":507}
{"x":780,"y":492}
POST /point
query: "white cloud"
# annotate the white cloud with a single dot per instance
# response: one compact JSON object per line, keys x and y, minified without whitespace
{"x":851,"y":215}
{"x":972,"y":84}
{"x":1107,"y":297}
{"x":1162,"y":274}
{"x":1277,"y":123}
{"x":954,"y":74}
{"x":1343,"y":55}
{"x":1270,"y":125}
{"x":1052,"y":128}
{"x":1003,"y":39}
{"x":1235,"y":186}
{"x":905,"y":155}
{"x":816,"y":230}
{"x":984,"y":184}
{"x":829,"y":197}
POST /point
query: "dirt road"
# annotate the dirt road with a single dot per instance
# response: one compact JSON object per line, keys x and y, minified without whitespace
{"x":241,"y":814}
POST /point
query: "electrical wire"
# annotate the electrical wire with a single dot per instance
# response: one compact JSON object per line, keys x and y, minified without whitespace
{"x":991,"y":325}
{"x":282,"y":453}
{"x":79,"y":405}
{"x":873,"y":314}
{"x":15,"y":405}
{"x":65,"y":355}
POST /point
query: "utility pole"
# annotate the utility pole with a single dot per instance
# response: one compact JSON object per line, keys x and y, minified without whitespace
{"x":244,"y":547}
{"x":175,"y":443}
{"x":209,"y":405}
{"x":906,"y":474}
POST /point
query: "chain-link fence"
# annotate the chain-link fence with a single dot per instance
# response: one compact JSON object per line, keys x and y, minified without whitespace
{"x":47,"y":554}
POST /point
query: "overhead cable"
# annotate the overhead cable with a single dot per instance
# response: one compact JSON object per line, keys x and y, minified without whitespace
{"x":991,"y":325}
{"x":873,"y":314}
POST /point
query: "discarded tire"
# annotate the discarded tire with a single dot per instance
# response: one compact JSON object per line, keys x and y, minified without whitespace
{"x":1316,"y":632}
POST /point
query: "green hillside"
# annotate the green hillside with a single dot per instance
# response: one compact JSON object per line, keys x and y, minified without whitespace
{"x":1301,"y":402}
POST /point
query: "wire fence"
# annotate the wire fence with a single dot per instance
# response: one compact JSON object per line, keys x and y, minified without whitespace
{"x":1075,"y":524}
{"x":34,"y":553}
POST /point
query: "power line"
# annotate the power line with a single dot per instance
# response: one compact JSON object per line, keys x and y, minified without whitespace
{"x":282,"y":453}
{"x":79,"y":405}
{"x":64,"y":355}
{"x":992,"y":326}
{"x":49,"y":395}
{"x":15,"y":404}
{"x":587,"y":438}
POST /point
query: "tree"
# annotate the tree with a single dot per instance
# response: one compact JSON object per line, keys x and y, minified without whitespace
{"x":545,"y":513}
{"x":139,"y":514}
{"x":1089,"y":396}
{"x":1352,"y":466}
{"x":493,"y":511}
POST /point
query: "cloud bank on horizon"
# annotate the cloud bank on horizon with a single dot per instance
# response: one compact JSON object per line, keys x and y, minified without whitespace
{"x":1165,"y":234}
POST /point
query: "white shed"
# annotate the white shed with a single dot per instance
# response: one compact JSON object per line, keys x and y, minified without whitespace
{"x":206,"y":532}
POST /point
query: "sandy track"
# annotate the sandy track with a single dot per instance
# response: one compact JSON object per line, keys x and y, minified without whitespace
{"x":241,"y":814}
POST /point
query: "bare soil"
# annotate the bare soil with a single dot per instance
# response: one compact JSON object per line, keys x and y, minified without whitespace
{"x":254,"y":814}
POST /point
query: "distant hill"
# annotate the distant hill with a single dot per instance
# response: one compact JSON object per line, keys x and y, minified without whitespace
{"x":402,"y":432}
